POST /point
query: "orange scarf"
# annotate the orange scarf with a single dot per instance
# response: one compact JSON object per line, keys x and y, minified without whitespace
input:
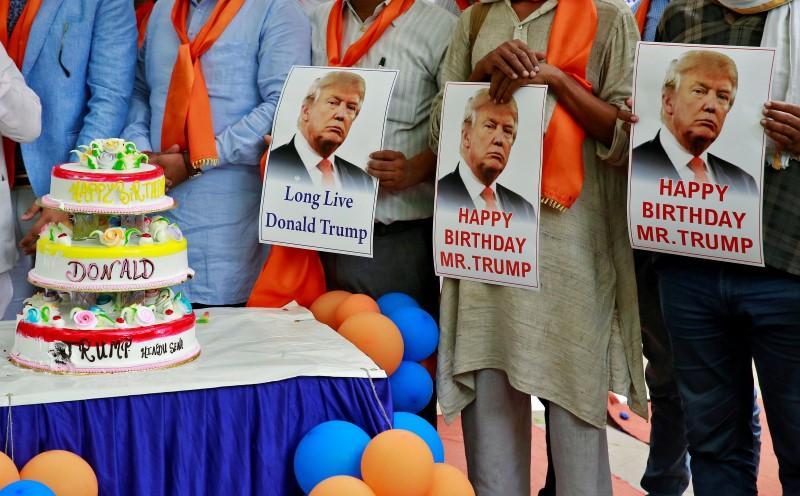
{"x":143,"y":12}
{"x":395,"y":9}
{"x":293,"y":273}
{"x":641,"y":15}
{"x":571,"y":37}
{"x":288,"y":274}
{"x":15,"y":47}
{"x":187,"y":114}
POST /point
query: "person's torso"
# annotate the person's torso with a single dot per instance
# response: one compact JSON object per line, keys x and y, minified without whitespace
{"x":414,"y":46}
{"x":59,"y":67}
{"x":232,"y":67}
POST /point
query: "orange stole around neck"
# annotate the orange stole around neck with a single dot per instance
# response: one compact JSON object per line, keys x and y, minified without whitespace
{"x":15,"y":44}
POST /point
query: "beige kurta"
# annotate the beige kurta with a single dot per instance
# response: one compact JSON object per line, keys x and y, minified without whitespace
{"x":579,"y":337}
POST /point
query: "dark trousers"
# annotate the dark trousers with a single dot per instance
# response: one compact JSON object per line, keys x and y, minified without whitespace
{"x":721,"y":318}
{"x":402,"y":261}
{"x":667,"y":471}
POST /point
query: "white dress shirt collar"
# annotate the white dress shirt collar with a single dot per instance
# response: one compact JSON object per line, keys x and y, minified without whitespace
{"x":311,"y":160}
{"x":680,"y":158}
{"x":475,"y":187}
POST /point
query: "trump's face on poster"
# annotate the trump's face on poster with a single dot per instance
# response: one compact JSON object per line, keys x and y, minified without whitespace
{"x":487,"y":135}
{"x":699,"y":90}
{"x":328,"y":111}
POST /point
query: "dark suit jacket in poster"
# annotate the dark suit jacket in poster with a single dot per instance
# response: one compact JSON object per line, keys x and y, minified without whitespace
{"x":285,"y":164}
{"x":651,"y":163}
{"x":452,"y":194}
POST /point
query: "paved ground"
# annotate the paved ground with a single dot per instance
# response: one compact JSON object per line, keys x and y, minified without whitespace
{"x":628,"y":457}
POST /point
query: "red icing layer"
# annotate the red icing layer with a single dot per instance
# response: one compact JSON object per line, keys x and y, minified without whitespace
{"x":61,"y":173}
{"x":102,"y":336}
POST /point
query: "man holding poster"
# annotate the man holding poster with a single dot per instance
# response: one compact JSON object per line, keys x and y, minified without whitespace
{"x":723,"y":317}
{"x":331,"y":105}
{"x":578,"y":336}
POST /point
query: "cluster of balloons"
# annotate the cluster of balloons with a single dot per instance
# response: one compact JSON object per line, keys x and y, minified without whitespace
{"x":51,"y":473}
{"x":338,"y":458}
{"x":394,"y":332}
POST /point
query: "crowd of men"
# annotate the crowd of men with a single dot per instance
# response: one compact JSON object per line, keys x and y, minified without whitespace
{"x":195,"y":84}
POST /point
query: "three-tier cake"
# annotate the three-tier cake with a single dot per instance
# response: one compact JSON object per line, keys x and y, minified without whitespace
{"x":107,"y":305}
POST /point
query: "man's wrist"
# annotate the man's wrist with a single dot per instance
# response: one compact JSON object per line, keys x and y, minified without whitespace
{"x":558,"y":81}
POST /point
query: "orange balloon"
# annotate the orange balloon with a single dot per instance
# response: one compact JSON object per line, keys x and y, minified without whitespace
{"x":324,"y":307}
{"x":377,"y":337}
{"x":65,"y":473}
{"x":449,"y":481}
{"x":341,"y":485}
{"x":398,"y":463}
{"x":353,"y":305}
{"x":430,"y":365}
{"x":8,"y":471}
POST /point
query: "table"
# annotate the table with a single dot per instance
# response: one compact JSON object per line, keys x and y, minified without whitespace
{"x":225,"y":424}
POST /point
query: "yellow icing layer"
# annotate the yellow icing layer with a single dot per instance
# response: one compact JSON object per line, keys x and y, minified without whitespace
{"x":116,"y":192}
{"x":49,"y":248}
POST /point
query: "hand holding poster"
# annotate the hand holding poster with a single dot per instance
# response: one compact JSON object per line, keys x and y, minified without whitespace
{"x":697,"y":159}
{"x":317,"y":193}
{"x":486,"y":224}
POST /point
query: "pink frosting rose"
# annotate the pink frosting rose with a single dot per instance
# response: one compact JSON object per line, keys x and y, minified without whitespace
{"x":85,"y":319}
{"x":145,"y":316}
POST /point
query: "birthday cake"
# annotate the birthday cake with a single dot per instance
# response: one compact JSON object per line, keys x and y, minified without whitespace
{"x":107,"y":305}
{"x":110,"y":177}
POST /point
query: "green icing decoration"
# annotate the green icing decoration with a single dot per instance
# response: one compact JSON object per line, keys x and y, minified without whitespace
{"x":130,"y":232}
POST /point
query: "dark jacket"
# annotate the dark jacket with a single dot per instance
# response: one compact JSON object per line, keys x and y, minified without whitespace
{"x":452,"y":194}
{"x":284,"y":164}
{"x":651,"y":163}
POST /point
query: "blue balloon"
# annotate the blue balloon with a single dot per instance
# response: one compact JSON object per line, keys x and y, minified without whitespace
{"x":412,"y":387}
{"x":26,"y":488}
{"x":422,"y":428}
{"x":390,"y":302}
{"x":329,"y":449}
{"x":419,"y":330}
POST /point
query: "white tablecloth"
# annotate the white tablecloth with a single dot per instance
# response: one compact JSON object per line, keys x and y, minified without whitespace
{"x":241,"y":346}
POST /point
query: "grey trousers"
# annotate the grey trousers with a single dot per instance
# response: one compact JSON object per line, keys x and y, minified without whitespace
{"x":21,"y":199}
{"x":497,"y":437}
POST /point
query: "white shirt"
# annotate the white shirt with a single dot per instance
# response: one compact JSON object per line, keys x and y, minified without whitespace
{"x":311,"y":160}
{"x":21,"y":121}
{"x":475,"y":187}
{"x":680,"y":158}
{"x":415,"y":46}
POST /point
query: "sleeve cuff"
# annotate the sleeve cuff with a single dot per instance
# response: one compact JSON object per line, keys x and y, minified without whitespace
{"x":617,"y":154}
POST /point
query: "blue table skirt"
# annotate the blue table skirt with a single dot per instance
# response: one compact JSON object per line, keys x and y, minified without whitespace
{"x":234,"y":441}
